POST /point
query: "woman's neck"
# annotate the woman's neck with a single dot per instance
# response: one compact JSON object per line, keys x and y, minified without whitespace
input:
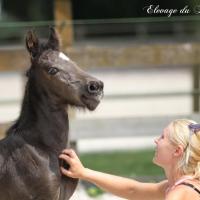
{"x":172,"y":175}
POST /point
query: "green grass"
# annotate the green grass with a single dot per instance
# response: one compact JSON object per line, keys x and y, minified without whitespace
{"x":125,"y":163}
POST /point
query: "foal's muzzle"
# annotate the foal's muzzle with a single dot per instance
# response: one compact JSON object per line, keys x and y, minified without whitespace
{"x":95,"y":87}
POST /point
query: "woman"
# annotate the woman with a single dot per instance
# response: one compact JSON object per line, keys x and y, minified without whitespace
{"x":177,"y":152}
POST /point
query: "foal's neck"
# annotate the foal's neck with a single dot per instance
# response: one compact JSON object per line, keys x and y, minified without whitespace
{"x":42,"y":121}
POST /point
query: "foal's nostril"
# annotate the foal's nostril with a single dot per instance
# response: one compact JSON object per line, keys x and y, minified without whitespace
{"x":101,"y":85}
{"x":94,"y":87}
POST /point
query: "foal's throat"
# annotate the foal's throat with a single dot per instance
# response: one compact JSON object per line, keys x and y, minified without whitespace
{"x":48,"y":120}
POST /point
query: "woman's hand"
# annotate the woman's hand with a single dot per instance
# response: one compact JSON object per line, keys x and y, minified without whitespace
{"x":76,"y":169}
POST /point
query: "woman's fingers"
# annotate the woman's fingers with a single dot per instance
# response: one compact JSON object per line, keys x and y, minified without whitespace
{"x":65,"y":172}
{"x":76,"y":168}
{"x":70,"y":152}
{"x":66,"y":158}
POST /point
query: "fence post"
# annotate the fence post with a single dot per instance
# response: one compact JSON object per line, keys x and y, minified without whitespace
{"x":63,"y":13}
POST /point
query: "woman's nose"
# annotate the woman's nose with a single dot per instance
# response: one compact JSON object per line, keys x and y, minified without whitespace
{"x":156,"y":140}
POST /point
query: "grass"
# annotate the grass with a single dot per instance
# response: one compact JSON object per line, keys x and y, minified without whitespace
{"x":125,"y":163}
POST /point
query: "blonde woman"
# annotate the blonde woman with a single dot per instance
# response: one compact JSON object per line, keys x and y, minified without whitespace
{"x":177,"y":152}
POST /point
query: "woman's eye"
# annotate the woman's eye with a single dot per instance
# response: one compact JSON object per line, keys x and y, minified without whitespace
{"x":52,"y":70}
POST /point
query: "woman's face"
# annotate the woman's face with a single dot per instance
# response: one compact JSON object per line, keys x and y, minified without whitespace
{"x":164,"y":150}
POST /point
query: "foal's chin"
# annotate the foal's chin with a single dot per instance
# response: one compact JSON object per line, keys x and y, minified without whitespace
{"x":91,"y":106}
{"x":85,"y":102}
{"x":90,"y":103}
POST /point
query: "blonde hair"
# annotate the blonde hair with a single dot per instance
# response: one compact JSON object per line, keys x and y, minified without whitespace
{"x":180,"y":134}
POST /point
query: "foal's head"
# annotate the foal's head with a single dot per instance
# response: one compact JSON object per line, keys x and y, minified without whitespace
{"x":59,"y":76}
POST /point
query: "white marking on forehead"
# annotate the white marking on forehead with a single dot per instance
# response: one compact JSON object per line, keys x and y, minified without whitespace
{"x":63,"y":56}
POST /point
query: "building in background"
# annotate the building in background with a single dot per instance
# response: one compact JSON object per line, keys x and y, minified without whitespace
{"x":113,"y":18}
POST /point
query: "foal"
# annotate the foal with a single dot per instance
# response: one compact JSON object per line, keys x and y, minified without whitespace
{"x":29,"y":165}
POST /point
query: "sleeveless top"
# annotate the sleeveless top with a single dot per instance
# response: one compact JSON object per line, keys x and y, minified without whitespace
{"x":182,"y":181}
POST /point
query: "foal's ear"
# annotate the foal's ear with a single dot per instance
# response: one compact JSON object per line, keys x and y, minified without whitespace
{"x":53,"y":41}
{"x":32,"y":43}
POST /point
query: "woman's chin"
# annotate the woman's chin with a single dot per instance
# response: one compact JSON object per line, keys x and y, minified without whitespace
{"x":155,"y":161}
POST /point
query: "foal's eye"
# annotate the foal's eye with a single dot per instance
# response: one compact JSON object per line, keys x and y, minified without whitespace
{"x":52,"y":70}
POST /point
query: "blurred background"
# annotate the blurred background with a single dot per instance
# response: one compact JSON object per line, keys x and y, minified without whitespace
{"x":147,"y":55}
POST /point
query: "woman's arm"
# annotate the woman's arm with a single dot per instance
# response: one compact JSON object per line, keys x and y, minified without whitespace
{"x":122,"y":187}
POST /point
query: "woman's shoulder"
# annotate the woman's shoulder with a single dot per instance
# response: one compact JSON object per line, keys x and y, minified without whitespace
{"x":182,"y":192}
{"x":162,"y":186}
